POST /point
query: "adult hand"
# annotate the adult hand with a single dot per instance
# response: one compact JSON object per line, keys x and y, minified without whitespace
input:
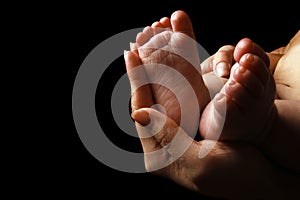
{"x":228,"y":170}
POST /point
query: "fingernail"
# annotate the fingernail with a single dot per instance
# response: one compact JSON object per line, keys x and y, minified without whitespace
{"x":142,"y":117}
{"x":133,"y":46}
{"x":125,"y":52}
{"x":222,"y":69}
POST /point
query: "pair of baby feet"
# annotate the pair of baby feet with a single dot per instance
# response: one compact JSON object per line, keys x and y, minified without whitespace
{"x":242,"y":110}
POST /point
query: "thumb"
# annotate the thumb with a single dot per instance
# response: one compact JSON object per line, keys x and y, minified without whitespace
{"x":163,"y":141}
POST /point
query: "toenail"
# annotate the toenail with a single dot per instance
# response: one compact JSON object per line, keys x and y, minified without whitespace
{"x":249,"y":57}
{"x":241,"y":69}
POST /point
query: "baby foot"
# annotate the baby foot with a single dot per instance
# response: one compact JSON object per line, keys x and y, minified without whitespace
{"x":170,"y":57}
{"x":244,"y":108}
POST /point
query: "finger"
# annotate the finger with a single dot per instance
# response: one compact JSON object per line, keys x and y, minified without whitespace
{"x":223,"y":60}
{"x":141,"y":93}
{"x":170,"y":152}
{"x":163,"y":141}
{"x":157,"y":126}
{"x":207,"y":65}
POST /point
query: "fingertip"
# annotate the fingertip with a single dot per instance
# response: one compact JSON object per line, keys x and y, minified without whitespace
{"x":141,"y":116}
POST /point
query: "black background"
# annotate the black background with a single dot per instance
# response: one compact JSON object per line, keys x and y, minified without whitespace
{"x":71,"y":31}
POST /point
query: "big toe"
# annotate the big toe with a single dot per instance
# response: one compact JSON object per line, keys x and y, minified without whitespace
{"x":181,"y":22}
{"x":246,"y":45}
